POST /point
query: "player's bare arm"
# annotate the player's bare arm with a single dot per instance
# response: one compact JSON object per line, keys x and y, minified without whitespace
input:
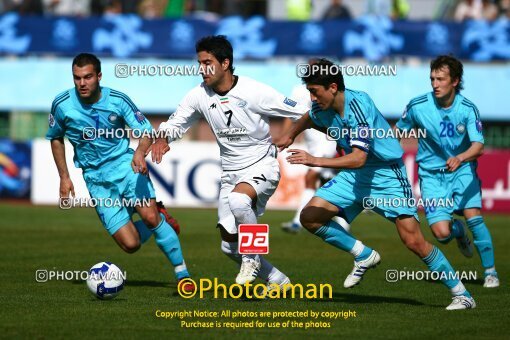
{"x":158,"y":149}
{"x":138,"y":164}
{"x":354,"y":160}
{"x":59,"y":155}
{"x":471,"y":154}
{"x":303,"y":123}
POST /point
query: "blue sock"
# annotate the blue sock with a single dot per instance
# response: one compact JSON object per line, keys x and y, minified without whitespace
{"x":168,"y":242}
{"x":144,"y":232}
{"x":338,"y":237}
{"x":436,"y":262}
{"x":482,"y":240}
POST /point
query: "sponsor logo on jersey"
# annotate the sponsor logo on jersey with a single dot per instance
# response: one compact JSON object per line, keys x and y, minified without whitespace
{"x":213,"y":106}
{"x":51,"y":120}
{"x":479,"y":125}
{"x":112,"y":117}
{"x":461,"y":128}
{"x":231,"y":132}
{"x":139,"y":116}
{"x":289,"y":102}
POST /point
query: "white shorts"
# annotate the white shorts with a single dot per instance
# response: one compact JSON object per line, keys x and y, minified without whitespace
{"x":263,"y":176}
{"x":319,"y":146}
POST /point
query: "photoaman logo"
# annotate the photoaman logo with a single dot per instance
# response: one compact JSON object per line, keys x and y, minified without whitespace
{"x":253,"y":239}
{"x":255,"y":291}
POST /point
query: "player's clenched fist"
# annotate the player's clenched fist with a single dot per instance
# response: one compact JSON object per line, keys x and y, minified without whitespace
{"x":158,"y":149}
{"x":284,"y":142}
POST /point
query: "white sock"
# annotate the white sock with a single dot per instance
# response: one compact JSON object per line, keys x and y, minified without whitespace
{"x":270,"y":273}
{"x":230,"y":249}
{"x":306,"y":196}
{"x":357,"y":248}
{"x":459,"y":289}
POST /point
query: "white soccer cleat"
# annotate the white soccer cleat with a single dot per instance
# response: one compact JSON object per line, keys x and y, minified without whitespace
{"x":464,"y":243}
{"x":291,"y":227}
{"x":250,"y":268}
{"x":491,"y":281}
{"x":272,"y":286}
{"x":360,"y":267}
{"x":461,"y":302}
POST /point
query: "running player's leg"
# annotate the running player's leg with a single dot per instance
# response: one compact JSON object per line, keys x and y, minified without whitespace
{"x":394,"y":186}
{"x":165,"y":236}
{"x":483,"y":243}
{"x":246,"y":201}
{"x":436,"y":187}
{"x":138,"y":188}
{"x":468,"y":199}
{"x":317,"y":218}
{"x":411,"y":235}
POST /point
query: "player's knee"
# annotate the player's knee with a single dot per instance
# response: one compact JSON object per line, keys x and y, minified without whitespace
{"x":443,"y":235}
{"x":308,"y":221}
{"x":151,"y":218}
{"x":239,"y":204}
{"x":130,"y":246}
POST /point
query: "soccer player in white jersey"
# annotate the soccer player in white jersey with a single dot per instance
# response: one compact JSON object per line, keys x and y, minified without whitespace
{"x":318,"y":146}
{"x":237,"y":109}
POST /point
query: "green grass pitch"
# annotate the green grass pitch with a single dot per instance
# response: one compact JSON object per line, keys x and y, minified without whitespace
{"x":35,"y":238}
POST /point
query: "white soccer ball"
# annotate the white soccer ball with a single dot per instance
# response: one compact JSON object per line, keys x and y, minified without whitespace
{"x":105,"y":280}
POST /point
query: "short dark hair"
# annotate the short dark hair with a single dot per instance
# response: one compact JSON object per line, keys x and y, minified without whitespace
{"x":83,"y":59}
{"x":219,"y":47}
{"x":323,"y":72}
{"x":454,"y":65}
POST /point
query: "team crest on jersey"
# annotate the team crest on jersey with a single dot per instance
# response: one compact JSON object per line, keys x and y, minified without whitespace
{"x":242,"y":103}
{"x":479,"y":125}
{"x":461,"y":128}
{"x":139,"y":116}
{"x":112,"y":118}
{"x":289,"y":102}
{"x":51,"y":120}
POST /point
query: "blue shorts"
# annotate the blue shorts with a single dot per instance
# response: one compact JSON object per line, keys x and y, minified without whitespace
{"x":462,"y":188}
{"x":116,"y":180}
{"x":384,"y":189}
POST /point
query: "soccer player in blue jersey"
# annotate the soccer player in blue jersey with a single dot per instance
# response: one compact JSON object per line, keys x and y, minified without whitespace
{"x":447,"y":160}
{"x":372,"y":169}
{"x":111,"y":169}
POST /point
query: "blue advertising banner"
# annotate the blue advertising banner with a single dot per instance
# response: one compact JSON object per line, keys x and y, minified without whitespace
{"x":372,"y":38}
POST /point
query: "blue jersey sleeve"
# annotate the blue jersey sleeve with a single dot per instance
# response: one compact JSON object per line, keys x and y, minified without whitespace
{"x":314,"y":115}
{"x":132,"y":116}
{"x":406,"y":121}
{"x":474,"y":126}
{"x":362,"y":123}
{"x":56,"y":127}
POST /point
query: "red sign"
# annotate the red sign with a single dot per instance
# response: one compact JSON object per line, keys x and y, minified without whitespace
{"x":253,"y":239}
{"x":494,"y":172}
